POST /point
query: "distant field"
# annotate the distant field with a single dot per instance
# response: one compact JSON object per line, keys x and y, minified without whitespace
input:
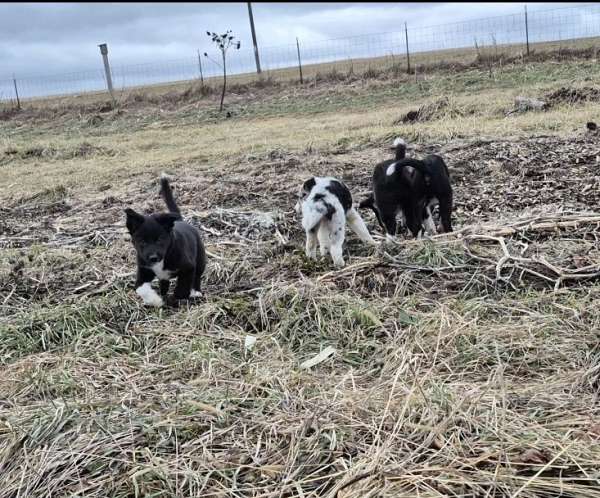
{"x":463,"y":365}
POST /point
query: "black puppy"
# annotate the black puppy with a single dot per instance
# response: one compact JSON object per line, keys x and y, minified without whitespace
{"x":412,"y":188}
{"x":167,"y":247}
{"x":399,"y":149}
{"x":399,"y":186}
{"x":438,"y":191}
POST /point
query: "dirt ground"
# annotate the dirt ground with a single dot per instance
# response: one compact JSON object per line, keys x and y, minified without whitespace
{"x":495,"y":182}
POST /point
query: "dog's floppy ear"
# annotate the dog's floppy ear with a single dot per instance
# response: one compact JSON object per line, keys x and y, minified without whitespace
{"x":309,"y":184}
{"x":167,"y":220}
{"x":134,"y":220}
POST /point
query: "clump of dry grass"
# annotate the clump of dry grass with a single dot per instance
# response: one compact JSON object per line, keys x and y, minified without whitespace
{"x":573,"y":95}
{"x":440,"y":108}
{"x":81,"y":150}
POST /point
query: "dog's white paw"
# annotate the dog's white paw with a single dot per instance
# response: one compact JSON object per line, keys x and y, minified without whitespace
{"x":149,"y":295}
{"x":338,"y":262}
{"x":195,"y":293}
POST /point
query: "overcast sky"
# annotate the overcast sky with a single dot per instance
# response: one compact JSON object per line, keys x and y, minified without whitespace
{"x":55,"y":38}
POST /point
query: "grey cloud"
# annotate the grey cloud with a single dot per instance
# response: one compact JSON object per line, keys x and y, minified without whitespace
{"x":49,"y":38}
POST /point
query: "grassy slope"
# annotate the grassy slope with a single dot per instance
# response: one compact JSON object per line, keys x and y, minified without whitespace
{"x":445,"y":382}
{"x":156,"y":138}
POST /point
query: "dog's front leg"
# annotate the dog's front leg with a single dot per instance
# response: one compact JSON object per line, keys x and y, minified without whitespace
{"x":311,"y":244}
{"x":143,"y":288}
{"x":164,"y":287}
{"x":184,"y":285}
{"x":336,"y":251}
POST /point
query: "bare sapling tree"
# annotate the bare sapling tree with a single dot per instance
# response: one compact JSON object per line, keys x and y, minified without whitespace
{"x":224,"y":43}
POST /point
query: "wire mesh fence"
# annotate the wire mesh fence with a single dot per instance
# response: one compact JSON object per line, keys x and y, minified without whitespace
{"x":538,"y":30}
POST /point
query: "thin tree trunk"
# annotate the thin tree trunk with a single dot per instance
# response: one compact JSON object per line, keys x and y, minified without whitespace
{"x":224,"y":83}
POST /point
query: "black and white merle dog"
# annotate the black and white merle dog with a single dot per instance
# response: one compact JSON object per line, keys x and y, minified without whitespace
{"x":412,"y":188}
{"x":166,"y":247}
{"x":326,"y":205}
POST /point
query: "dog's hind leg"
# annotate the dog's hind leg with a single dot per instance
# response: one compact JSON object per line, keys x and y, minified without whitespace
{"x":446,"y":213}
{"x":414,"y":220}
{"x":428,"y":222}
{"x":402,"y":224}
{"x":337,"y":227}
{"x":389,"y":221}
{"x":356,"y":223}
{"x":311,"y":244}
{"x":324,"y":238}
{"x":199,"y":271}
{"x":196,"y":292}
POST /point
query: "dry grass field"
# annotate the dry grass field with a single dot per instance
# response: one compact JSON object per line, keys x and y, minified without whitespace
{"x":465,"y":364}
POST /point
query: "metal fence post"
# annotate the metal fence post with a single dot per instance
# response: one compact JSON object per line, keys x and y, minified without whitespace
{"x":526,"y":30}
{"x":200,"y":67}
{"x":299,"y":61}
{"x":104,"y":52}
{"x":257,"y":59}
{"x":407,"y":51}
{"x":17,"y":93}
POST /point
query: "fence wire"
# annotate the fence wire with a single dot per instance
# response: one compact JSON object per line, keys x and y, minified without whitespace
{"x":576,"y":26}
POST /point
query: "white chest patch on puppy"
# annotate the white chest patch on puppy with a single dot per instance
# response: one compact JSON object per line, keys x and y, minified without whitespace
{"x":160,"y":272}
{"x":149,"y":295}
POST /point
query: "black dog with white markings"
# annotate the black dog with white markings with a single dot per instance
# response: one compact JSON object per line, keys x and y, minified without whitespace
{"x":411,"y":187}
{"x":167,"y":247}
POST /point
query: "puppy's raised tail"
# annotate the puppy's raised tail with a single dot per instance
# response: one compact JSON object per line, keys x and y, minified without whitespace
{"x":397,"y":166}
{"x":167,"y":194}
{"x":399,"y":147}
